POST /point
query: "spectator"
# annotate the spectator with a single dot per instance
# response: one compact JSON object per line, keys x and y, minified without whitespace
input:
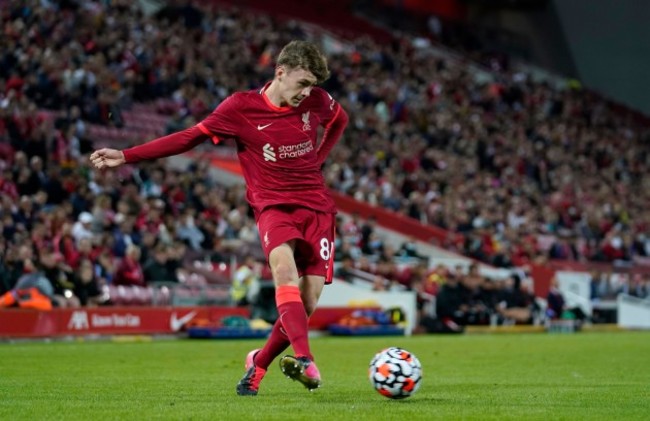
{"x":83,"y":227}
{"x":366,"y":234}
{"x":518,"y":304}
{"x":373,"y":245}
{"x":187,"y":230}
{"x":245,"y":287}
{"x":125,"y":235}
{"x":409,"y":249}
{"x":450,"y":305}
{"x":7,"y":185}
{"x":31,"y":291}
{"x":345,"y":270}
{"x":105,"y":267}
{"x":175,"y":255}
{"x":86,"y":285}
{"x":60,"y":276}
{"x":157,"y":267}
{"x":556,"y":305}
{"x":129,"y":271}
{"x":475,"y":303}
{"x":635,"y":286}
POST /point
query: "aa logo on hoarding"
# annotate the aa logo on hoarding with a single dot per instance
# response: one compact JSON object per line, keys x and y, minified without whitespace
{"x":78,"y":321}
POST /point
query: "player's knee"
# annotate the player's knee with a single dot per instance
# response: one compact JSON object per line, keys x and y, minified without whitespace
{"x":283,"y":274}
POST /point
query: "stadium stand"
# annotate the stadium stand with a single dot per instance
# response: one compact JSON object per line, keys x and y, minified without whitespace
{"x":513,"y":171}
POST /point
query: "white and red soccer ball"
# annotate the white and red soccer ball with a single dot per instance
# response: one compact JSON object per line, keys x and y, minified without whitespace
{"x":395,"y":373}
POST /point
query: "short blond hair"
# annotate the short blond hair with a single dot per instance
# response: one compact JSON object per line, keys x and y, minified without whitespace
{"x":305,"y":55}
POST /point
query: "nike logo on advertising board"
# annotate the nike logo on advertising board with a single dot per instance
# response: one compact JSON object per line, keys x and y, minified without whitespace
{"x":176,"y":323}
{"x":260,"y":127}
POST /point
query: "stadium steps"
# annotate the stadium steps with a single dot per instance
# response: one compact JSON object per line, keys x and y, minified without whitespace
{"x":166,"y":293}
{"x":142,"y":123}
{"x":336,"y":16}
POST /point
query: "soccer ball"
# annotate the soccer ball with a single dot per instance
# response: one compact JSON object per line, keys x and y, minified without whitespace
{"x":395,"y":373}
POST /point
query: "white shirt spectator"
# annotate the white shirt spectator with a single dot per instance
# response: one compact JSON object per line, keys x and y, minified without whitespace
{"x":82,"y":228}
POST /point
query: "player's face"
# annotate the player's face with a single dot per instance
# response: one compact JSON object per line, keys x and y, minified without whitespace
{"x":295,"y":85}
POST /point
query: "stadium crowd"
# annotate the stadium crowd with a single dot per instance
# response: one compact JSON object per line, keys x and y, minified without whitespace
{"x":523,"y":169}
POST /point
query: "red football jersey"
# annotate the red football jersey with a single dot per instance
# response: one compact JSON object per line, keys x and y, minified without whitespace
{"x":277,"y":146}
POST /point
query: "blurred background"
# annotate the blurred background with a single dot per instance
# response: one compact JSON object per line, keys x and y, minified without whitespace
{"x":494,"y":171}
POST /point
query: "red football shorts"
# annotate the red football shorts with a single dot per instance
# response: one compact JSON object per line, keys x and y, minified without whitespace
{"x":314,"y":232}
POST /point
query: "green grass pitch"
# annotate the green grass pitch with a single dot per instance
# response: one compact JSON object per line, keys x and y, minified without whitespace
{"x":584,"y":376}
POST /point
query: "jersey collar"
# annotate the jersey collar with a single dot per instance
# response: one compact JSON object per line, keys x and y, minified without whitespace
{"x":268,"y":102}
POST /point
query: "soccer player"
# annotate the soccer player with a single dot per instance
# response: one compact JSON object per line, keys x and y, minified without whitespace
{"x":275,"y":129}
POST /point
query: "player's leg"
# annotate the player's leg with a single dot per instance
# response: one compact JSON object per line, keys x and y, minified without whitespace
{"x":258,"y":360}
{"x":292,"y":322}
{"x":288,"y":299}
{"x":291,"y":326}
{"x":295,"y":301}
{"x":311,"y":288}
{"x":278,"y":340}
{"x":250,"y":383}
{"x":310,"y":291}
{"x":302,"y":367}
{"x":277,"y":228}
{"x":317,"y":271}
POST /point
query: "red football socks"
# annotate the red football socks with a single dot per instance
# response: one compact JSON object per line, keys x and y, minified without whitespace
{"x":292,"y":314}
{"x":277,"y":342}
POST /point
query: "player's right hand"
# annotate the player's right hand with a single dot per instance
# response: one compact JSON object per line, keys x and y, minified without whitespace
{"x":107,"y":158}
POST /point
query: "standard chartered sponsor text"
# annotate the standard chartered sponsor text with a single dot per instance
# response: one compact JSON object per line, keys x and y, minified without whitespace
{"x":296,"y":150}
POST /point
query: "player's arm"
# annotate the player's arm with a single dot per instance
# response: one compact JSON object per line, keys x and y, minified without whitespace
{"x":333,"y":132}
{"x":173,"y":144}
{"x":221,"y":121}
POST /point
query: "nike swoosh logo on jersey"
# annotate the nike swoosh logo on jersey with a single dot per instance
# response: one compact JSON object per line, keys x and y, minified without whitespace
{"x":260,"y":127}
